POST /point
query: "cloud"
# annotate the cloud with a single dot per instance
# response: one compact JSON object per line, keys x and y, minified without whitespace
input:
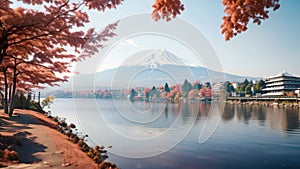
{"x":130,"y":42}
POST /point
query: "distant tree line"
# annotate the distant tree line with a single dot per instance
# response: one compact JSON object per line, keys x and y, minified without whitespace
{"x":245,"y":88}
{"x":173,"y":93}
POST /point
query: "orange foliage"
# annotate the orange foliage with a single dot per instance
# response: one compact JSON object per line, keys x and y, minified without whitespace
{"x":238,"y":13}
{"x":202,"y":92}
{"x":37,"y":39}
{"x":164,"y":9}
{"x":193,"y":94}
{"x":146,"y":90}
{"x":205,"y":92}
{"x":208,"y":92}
{"x":45,"y":34}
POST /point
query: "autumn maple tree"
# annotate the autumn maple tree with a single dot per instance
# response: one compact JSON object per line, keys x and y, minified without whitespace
{"x":38,"y":45}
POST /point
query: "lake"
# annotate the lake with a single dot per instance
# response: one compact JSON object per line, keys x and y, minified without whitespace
{"x":187,"y":135}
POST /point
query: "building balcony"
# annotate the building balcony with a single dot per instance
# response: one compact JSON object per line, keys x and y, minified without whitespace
{"x":274,"y":94}
{"x":274,"y":88}
{"x":275,"y":84}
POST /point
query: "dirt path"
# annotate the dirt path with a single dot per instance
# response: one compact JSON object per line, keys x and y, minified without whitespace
{"x":42,"y":146}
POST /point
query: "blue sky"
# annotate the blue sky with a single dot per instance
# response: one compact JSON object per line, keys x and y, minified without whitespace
{"x":262,"y":51}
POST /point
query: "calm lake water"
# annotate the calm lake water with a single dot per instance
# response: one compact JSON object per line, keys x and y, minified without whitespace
{"x":166,"y":136}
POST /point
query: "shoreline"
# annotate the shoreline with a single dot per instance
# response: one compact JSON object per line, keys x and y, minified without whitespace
{"x":280,"y":104}
{"x":47,"y":142}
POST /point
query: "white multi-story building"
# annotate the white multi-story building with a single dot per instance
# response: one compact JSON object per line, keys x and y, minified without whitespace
{"x":281,"y":84}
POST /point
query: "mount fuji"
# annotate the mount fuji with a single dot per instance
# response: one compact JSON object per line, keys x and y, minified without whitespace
{"x":146,"y":69}
{"x":156,"y":58}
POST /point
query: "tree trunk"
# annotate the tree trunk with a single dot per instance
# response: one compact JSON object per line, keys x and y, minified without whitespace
{"x":3,"y":44}
{"x":1,"y":58}
{"x":9,"y":93}
{"x":5,"y":92}
{"x":39,"y":98}
{"x":12,"y":100}
{"x":13,"y":94}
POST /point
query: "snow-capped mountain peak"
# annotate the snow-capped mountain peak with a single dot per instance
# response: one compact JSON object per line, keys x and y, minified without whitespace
{"x":155,"y":58}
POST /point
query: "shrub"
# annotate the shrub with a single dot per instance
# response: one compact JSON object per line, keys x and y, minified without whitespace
{"x":10,"y":155}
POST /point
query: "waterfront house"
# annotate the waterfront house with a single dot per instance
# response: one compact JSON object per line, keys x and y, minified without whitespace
{"x":281,"y":85}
